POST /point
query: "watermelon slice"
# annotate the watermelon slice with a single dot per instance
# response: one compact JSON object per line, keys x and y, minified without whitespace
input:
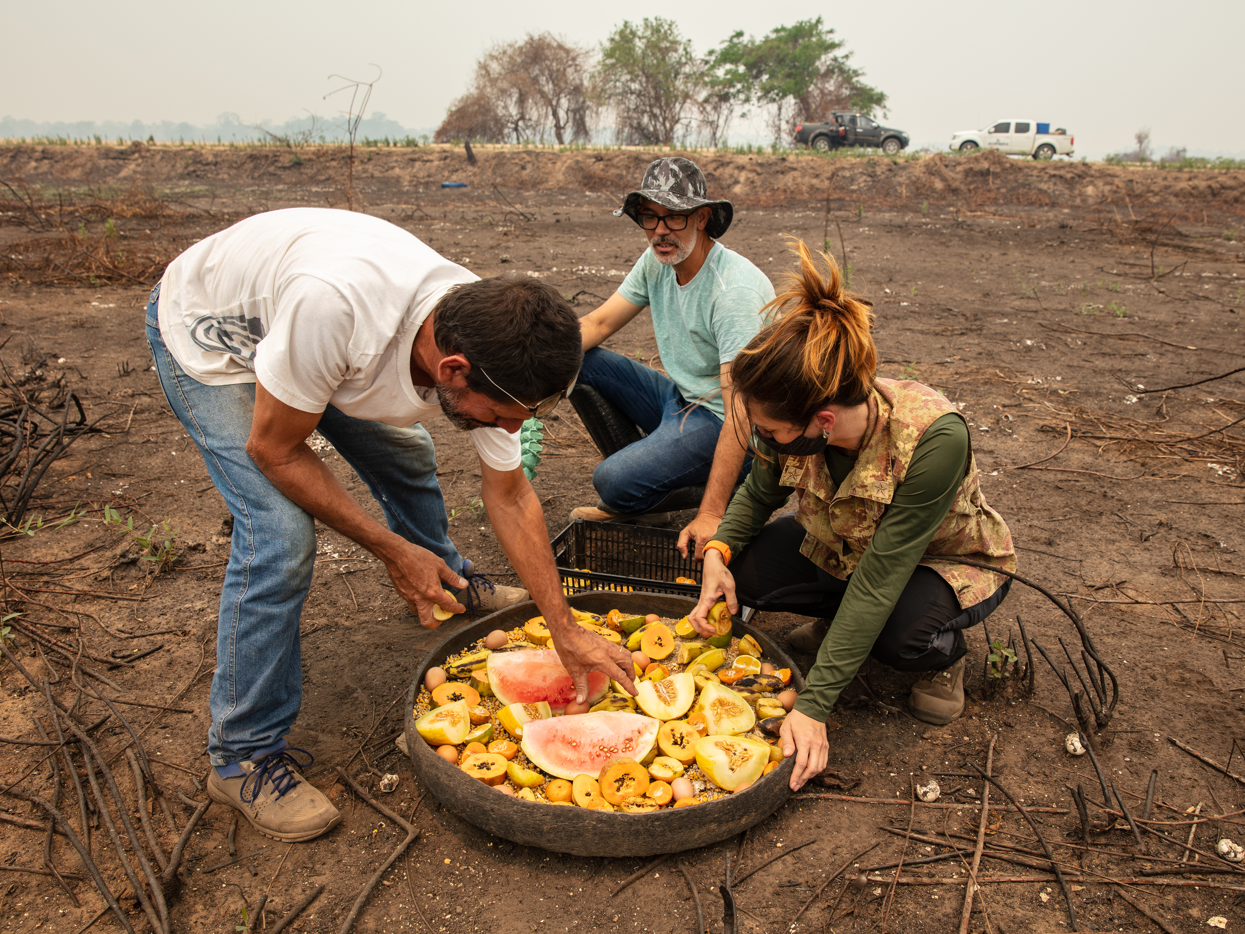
{"x":569,"y":746}
{"x":536,"y":675}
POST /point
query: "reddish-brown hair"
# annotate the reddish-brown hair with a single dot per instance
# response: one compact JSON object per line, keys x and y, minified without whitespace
{"x":817,"y":350}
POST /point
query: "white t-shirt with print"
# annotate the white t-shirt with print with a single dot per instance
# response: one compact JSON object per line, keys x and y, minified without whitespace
{"x":322,"y":306}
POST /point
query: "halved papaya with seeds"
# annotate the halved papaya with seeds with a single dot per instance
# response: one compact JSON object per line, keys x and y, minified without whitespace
{"x":657,"y":642}
{"x":488,"y":767}
{"x":558,"y":791}
{"x":504,"y":748}
{"x":622,"y":778}
{"x":639,"y":805}
{"x":585,"y":789}
{"x":678,"y":741}
{"x":660,"y":792}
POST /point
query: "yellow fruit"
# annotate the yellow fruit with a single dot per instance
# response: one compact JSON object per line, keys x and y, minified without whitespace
{"x":665,"y":769}
{"x":747,"y":663}
{"x":684,"y":628}
{"x":615,"y":702}
{"x":725,"y":711}
{"x":678,"y":741}
{"x":685,"y":802}
{"x":698,"y":723}
{"x":479,"y":683}
{"x":513,"y":716}
{"x":526,"y":794}
{"x":720,"y":618}
{"x":443,"y":615}
{"x":452,"y":691}
{"x":463,"y":668}
{"x":480,"y":735}
{"x":558,"y":791}
{"x":770,"y":766}
{"x":535,"y":630}
{"x":712,"y":660}
{"x":667,"y":699}
{"x":504,"y":748}
{"x":585,"y":789}
{"x":660,"y":792}
{"x":657,"y":642}
{"x":641,"y":805}
{"x":478,"y":715}
{"x":488,"y":767}
{"x":775,"y":754}
{"x":685,"y":580}
{"x":655,"y":671}
{"x":688,"y":651}
{"x":473,"y":747}
{"x":749,"y":646}
{"x":524,"y":778}
{"x":729,"y":761}
{"x":598,"y":804}
{"x":448,"y":725}
{"x":622,"y":778}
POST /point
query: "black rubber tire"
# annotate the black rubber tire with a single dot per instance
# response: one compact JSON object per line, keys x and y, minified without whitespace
{"x":821,"y":143}
{"x":609,"y":429}
{"x":1044,"y":153}
{"x":891,"y":145}
{"x":968,"y":146}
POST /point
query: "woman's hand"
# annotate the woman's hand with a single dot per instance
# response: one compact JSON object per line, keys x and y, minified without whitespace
{"x":805,"y":738}
{"x":717,"y":582}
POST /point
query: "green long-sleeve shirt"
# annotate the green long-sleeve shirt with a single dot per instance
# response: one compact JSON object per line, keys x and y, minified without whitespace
{"x":919,"y":506}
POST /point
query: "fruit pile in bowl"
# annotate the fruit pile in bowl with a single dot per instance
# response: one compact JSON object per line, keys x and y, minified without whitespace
{"x":703,"y":725}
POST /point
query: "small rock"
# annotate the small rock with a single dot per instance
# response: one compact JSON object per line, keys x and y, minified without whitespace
{"x":928,"y":793}
{"x":388,"y":783}
{"x":1072,"y":743}
{"x":1230,"y":851}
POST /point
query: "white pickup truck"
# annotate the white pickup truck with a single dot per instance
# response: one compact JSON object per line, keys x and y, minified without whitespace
{"x":1018,"y":138}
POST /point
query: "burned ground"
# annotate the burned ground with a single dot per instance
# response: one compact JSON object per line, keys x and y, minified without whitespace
{"x":1053,"y":303}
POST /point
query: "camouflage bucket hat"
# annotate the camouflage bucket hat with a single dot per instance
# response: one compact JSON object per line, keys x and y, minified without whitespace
{"x":678,"y":184}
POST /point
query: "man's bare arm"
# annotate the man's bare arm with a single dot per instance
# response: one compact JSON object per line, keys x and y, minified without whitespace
{"x":728,"y":458}
{"x":519,"y":524}
{"x":607,"y":318}
{"x":277,"y":445}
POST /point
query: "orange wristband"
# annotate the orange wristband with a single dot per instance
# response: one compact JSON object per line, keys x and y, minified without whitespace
{"x":721,"y":547}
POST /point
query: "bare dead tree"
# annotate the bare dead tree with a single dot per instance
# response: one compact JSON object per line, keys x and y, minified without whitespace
{"x":360,"y":94}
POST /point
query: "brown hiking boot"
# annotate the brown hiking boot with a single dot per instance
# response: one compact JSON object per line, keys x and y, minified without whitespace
{"x":938,"y":697}
{"x":277,"y":801}
{"x":808,"y":638}
{"x":482,"y":597}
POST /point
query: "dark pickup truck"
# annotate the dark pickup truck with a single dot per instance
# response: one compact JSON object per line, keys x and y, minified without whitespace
{"x":851,"y":129}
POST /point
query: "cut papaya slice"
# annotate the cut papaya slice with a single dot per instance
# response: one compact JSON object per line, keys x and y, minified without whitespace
{"x":452,"y":691}
{"x":486,"y":766}
{"x":622,"y":778}
{"x":657,"y":642}
{"x":585,"y":789}
{"x":678,"y":741}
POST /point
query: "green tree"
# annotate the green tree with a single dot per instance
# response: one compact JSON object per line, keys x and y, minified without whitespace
{"x":799,"y":72}
{"x":649,"y":76}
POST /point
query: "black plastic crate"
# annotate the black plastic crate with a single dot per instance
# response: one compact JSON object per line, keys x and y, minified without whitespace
{"x":615,"y":556}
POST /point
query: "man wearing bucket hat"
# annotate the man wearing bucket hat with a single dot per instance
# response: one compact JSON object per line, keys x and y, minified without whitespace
{"x":662,"y":434}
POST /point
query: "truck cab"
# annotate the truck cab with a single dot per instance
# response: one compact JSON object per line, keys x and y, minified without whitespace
{"x":1017,"y":137}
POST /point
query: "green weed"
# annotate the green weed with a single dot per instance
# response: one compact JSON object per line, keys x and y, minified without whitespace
{"x":1230,"y":235}
{"x":1000,"y":660}
{"x":110,"y":229}
{"x":33,"y":524}
{"x":925,"y":207}
{"x":475,"y":508}
{"x":159,"y":543}
{"x":1119,"y":309}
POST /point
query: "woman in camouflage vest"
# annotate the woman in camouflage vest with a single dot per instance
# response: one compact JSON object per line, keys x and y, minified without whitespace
{"x":886,"y":486}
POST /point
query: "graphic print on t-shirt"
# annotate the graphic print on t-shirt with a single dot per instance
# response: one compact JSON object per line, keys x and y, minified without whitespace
{"x":231,"y":334}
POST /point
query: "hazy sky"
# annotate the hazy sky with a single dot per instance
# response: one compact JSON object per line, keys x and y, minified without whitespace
{"x":1101,"y":68}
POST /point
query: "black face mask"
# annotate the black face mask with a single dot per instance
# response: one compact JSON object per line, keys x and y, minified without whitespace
{"x":799,"y":447}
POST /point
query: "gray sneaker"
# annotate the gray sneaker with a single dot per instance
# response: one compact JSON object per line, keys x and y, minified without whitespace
{"x":277,"y":801}
{"x":482,"y":597}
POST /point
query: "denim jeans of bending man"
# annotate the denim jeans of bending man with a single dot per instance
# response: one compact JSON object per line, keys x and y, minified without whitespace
{"x":678,"y":449}
{"x":258,"y":685}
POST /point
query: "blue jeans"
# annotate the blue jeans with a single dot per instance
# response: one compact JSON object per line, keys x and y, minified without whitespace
{"x":258,"y":686}
{"x":678,"y":451}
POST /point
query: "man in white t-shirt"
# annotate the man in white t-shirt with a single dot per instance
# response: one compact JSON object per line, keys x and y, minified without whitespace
{"x":307,"y":320}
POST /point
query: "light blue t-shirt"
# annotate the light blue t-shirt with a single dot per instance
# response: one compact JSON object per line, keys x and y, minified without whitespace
{"x":703,"y":324}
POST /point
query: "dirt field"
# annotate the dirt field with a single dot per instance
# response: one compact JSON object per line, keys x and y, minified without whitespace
{"x":1049,"y":301}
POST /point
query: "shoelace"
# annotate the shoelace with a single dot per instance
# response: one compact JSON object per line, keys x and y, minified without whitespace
{"x":279,"y":769}
{"x":472,"y":594}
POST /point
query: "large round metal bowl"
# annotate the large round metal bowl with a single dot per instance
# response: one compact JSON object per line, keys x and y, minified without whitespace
{"x":578,"y":831}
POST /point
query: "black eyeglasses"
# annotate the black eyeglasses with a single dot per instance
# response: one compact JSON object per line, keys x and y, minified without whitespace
{"x":544,"y":407}
{"x":672,"y":221}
